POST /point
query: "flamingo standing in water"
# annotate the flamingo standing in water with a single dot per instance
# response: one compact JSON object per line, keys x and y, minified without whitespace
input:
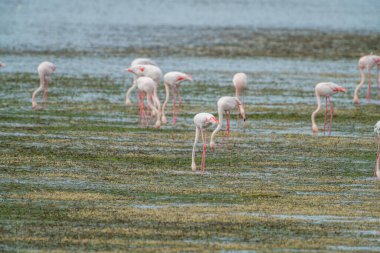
{"x":135,"y":62}
{"x":173,"y":79}
{"x":201,"y":120}
{"x":367,"y":62}
{"x":376,"y":171}
{"x":325,"y":89}
{"x":240,"y":82}
{"x":146,"y":86}
{"x":45,"y":69}
{"x":151,"y":71}
{"x":225,"y":105}
{"x":2,"y":65}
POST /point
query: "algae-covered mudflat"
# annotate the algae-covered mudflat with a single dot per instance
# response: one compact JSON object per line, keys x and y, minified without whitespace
{"x":82,"y":175}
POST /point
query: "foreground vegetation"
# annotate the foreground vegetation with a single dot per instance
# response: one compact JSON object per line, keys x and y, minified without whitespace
{"x":82,"y":175}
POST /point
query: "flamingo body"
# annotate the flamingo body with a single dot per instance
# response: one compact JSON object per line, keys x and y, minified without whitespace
{"x":202,"y":121}
{"x":173,"y":80}
{"x":240,"y":82}
{"x":225,"y":105}
{"x":135,"y":62}
{"x":367,"y":63}
{"x":147,"y":86}
{"x":325,"y":89}
{"x":2,"y":65}
{"x":45,"y":69}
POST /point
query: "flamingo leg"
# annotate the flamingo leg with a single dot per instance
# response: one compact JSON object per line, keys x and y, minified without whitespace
{"x":174,"y":104}
{"x":377,"y":157}
{"x":143,"y":117}
{"x":324,"y":124}
{"x":176,"y":109}
{"x":203,"y":163}
{"x":228,"y":118}
{"x":369,"y":86}
{"x":331,"y":115}
{"x":46,"y":89}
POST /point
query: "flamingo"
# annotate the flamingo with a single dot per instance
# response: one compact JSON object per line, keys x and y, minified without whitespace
{"x":367,"y":62}
{"x":146,"y":86}
{"x":376,"y":171}
{"x":225,"y":105}
{"x":173,"y":79}
{"x":151,"y":71}
{"x":240,"y":82}
{"x":202,"y":120}
{"x":135,"y":62}
{"x":325,"y":89}
{"x":2,"y":65}
{"x":45,"y":69}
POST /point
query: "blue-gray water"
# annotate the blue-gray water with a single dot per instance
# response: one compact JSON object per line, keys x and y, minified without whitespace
{"x":88,"y":24}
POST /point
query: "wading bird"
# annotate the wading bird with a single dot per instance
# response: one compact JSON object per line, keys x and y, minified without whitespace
{"x":151,"y":71}
{"x":173,"y":80}
{"x":367,"y":63}
{"x":45,"y":69}
{"x":135,"y":62}
{"x":202,"y":121}
{"x":376,"y":171}
{"x":326,"y":90}
{"x":146,"y":87}
{"x":240,"y":82}
{"x":2,"y":65}
{"x":225,"y":105}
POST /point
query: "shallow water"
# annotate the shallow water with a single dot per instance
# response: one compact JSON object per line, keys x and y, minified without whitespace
{"x":88,"y":24}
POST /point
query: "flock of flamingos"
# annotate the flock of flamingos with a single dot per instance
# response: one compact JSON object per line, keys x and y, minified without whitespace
{"x":147,"y":75}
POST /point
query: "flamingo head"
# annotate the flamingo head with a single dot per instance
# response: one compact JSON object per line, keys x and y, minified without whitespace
{"x":137,"y":70}
{"x":213,"y":120}
{"x":340,"y":89}
{"x":212,"y":146}
{"x":242,"y":112}
{"x":314,"y":128}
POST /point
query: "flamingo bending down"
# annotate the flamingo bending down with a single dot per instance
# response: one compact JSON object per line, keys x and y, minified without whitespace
{"x":173,"y":79}
{"x":135,"y":62}
{"x":45,"y":69}
{"x":240,"y":82}
{"x":367,"y":62}
{"x":146,"y":86}
{"x":201,"y":120}
{"x":376,"y":170}
{"x":225,"y":105}
{"x":325,"y":89}
{"x":151,"y":71}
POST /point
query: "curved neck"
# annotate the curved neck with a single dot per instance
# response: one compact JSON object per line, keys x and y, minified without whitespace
{"x":217,"y":129}
{"x":316,"y":110}
{"x":166,"y":98}
{"x":195,"y":144}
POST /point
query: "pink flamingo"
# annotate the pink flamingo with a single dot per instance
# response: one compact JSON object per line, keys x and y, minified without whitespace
{"x":201,"y":120}
{"x":325,"y":89}
{"x":240,"y":82}
{"x":2,"y":65}
{"x":367,"y":62}
{"x":135,"y":62}
{"x":225,"y":105}
{"x":151,"y":71}
{"x":376,"y":171}
{"x":45,"y":69}
{"x":173,"y":79}
{"x":146,"y":86}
